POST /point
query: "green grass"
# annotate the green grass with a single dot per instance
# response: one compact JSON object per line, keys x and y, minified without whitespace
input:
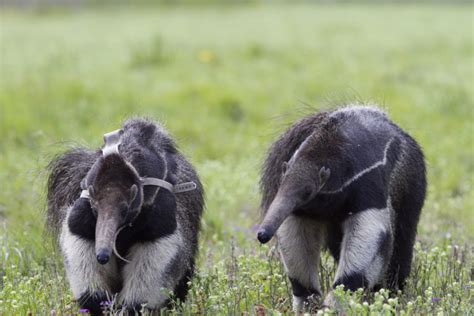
{"x":226,"y":81}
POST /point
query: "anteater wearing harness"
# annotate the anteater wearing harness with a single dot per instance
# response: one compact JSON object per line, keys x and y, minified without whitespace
{"x":127,"y":217}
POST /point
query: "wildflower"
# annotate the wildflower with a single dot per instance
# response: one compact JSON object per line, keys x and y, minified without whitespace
{"x":83,"y":310}
{"x":206,"y":56}
{"x":436,"y":299}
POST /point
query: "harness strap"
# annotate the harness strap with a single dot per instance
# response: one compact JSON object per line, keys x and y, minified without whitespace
{"x":178,"y":188}
{"x":185,"y":187}
{"x":112,"y":142}
{"x":157,"y":182}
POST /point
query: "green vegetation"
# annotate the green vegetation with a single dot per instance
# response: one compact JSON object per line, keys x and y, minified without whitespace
{"x":225,"y":81}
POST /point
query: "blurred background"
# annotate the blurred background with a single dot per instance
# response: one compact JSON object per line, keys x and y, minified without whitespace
{"x":225,"y":78}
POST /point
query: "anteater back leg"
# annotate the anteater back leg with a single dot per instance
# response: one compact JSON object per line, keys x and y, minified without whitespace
{"x":408,"y":211}
{"x":334,"y":240}
{"x":182,"y":288}
{"x":408,"y":190}
{"x":299,"y":242}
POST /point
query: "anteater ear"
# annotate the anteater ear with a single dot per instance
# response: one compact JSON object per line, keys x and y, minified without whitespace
{"x":324,"y":174}
{"x":284,"y":166}
{"x":133,"y":192}
{"x":136,"y":197}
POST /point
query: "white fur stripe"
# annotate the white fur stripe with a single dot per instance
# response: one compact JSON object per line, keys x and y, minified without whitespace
{"x":359,"y":249}
{"x":295,"y":154}
{"x":359,"y":109}
{"x":298,"y":303}
{"x":145,"y":278}
{"x":379,"y":163}
{"x":299,"y":243}
{"x":82,"y":269}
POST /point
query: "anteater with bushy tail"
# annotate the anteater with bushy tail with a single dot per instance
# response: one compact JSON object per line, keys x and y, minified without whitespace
{"x":352,"y":181}
{"x":127,"y":217}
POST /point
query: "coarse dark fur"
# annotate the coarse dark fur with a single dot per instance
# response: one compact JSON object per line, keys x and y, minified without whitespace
{"x":346,"y":141}
{"x":150,"y":150}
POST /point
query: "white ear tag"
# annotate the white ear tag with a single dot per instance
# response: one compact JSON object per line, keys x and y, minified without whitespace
{"x":85,"y":194}
{"x":112,"y":141}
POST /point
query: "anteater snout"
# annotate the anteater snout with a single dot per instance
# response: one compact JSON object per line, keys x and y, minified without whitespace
{"x":103,"y":256}
{"x":264,"y":235}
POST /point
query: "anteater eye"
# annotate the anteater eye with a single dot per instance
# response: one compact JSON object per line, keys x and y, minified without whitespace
{"x":306,"y":193}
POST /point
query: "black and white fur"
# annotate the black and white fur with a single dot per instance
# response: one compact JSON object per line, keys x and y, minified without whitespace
{"x":352,"y":181}
{"x":159,"y":245}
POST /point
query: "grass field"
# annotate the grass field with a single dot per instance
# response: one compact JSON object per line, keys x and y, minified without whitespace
{"x":226,"y":81}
